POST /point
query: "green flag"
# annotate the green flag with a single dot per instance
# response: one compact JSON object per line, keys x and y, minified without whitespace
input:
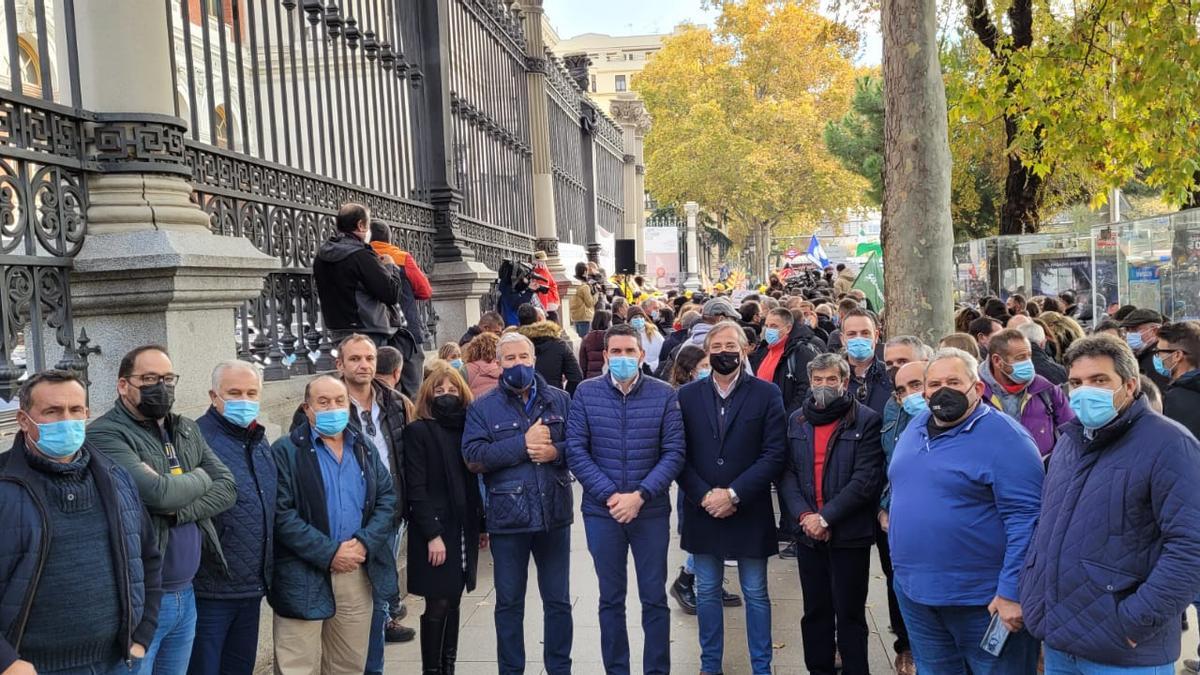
{"x":870,"y":281}
{"x":868,"y":249}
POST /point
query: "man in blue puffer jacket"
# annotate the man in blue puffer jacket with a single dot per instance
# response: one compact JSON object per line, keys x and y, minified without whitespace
{"x":1112,"y":563}
{"x":515,"y":436}
{"x":625,"y":445}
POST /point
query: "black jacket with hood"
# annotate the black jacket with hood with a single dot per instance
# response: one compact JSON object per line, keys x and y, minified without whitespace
{"x":1181,"y":402}
{"x":355,"y":287}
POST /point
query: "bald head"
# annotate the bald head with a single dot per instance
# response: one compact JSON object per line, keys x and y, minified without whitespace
{"x":910,"y":379}
{"x":1018,"y":320}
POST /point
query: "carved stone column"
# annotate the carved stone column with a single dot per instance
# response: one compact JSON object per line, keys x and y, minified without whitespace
{"x":628,"y":111}
{"x":691,"y":282}
{"x":150,"y":270}
{"x":643,"y":127}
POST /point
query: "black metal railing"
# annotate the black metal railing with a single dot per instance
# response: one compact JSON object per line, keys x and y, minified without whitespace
{"x":564,"y":99}
{"x":608,"y":155}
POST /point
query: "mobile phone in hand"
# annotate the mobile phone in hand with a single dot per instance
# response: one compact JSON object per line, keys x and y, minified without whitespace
{"x":995,"y":637}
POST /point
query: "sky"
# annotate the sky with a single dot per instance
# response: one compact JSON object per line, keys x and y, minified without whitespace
{"x":639,"y":17}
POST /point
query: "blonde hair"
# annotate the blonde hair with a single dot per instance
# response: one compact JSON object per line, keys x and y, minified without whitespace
{"x":438,"y":374}
{"x":448,"y":352}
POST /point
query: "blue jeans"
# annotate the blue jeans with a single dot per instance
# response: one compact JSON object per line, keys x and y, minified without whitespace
{"x":752,"y":573}
{"x":1062,"y":663}
{"x":118,"y":668}
{"x":582,"y":327}
{"x":510,"y":556}
{"x":171,"y":649}
{"x":945,"y":640}
{"x":226,"y":637}
{"x":609,"y":543}
{"x":380,"y":616}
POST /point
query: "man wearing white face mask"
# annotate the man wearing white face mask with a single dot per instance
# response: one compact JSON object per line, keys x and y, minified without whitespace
{"x":1011,"y":385}
{"x":625,"y":445}
{"x":229,"y":596}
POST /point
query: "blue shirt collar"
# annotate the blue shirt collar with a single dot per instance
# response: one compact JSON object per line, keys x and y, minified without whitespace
{"x":348,"y":438}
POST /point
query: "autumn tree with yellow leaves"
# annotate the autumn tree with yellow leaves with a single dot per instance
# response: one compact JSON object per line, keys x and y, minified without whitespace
{"x":739,"y":112}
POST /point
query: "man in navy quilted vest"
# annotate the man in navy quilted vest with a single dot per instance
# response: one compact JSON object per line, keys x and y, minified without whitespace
{"x":625,"y":445}
{"x":1113,"y":561}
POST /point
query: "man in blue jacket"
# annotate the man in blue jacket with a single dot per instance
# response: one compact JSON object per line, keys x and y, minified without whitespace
{"x":333,"y":524}
{"x":1113,"y":562}
{"x":80,"y":576}
{"x":625,"y":446}
{"x":736,"y":436}
{"x":966,"y":483}
{"x":869,"y":383}
{"x":229,"y":597}
{"x":515,"y":436}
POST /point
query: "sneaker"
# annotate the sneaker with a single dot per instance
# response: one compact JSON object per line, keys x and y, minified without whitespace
{"x":905,"y":664}
{"x":394,"y":631}
{"x":1191,"y":665}
{"x":684,"y":591}
{"x":401,"y":613}
{"x":789,"y":552}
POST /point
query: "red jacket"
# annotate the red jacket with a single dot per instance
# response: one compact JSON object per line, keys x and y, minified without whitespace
{"x":416,"y":278}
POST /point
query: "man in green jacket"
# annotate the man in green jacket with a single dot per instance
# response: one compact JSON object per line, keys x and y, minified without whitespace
{"x":182,"y":483}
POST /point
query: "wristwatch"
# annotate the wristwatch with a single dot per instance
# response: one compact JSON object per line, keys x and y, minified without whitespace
{"x":645,"y":494}
{"x":733,"y":496}
{"x":821,"y":519}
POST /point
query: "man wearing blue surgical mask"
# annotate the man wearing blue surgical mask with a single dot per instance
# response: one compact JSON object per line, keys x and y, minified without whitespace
{"x":1112,"y":564}
{"x":334,"y":522}
{"x":869,"y":382}
{"x":625,"y":446}
{"x":1011,"y":385}
{"x":229,"y":595}
{"x":82,"y":575}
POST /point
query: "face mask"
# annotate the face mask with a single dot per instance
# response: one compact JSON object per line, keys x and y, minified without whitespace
{"x":914,"y":404}
{"x":948,"y":405}
{"x":772,"y":336}
{"x":860,"y":348}
{"x":623,"y":368}
{"x":823,"y":397}
{"x":518,"y":377}
{"x":1135,"y":341}
{"x":157,"y":400}
{"x":703,"y":373}
{"x":1022,"y":372}
{"x":1093,"y":406}
{"x":654,"y":316}
{"x":332,"y":422}
{"x":638,"y":323}
{"x":241,"y":413}
{"x":725,"y":362}
{"x":1160,"y":367}
{"x":447,"y":407}
{"x":60,"y":440}
{"x":456,"y":364}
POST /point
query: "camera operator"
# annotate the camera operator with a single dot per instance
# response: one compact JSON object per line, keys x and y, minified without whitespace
{"x":516,"y":288}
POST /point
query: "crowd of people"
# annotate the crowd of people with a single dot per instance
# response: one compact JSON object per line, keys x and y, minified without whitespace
{"x":1029,"y":488}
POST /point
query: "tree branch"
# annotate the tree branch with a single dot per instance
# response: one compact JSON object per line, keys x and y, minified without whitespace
{"x":981,"y":22}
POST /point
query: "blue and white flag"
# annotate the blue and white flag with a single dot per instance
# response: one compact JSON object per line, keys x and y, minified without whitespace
{"x":817,"y":253}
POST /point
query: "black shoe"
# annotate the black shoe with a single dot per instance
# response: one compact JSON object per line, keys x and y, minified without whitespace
{"x":729,"y":599}
{"x":433,"y":634}
{"x":789,"y":552}
{"x":450,"y":643}
{"x":684,"y":591}
{"x":394,"y":631}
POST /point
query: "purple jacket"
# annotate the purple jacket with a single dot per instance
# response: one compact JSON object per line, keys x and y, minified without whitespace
{"x":1043,"y":407}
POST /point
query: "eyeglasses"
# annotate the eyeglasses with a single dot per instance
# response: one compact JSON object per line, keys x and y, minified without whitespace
{"x":1163,"y":352}
{"x":368,"y":423}
{"x":149,"y":379}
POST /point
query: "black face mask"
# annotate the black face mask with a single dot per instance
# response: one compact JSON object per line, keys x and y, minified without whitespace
{"x":948,"y":405}
{"x":725,"y":362}
{"x":448,"y":409}
{"x":156,"y":400}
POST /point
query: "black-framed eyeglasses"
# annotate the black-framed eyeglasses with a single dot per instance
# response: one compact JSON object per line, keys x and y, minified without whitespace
{"x":368,"y":422}
{"x":1163,"y":352}
{"x":150,"y":379}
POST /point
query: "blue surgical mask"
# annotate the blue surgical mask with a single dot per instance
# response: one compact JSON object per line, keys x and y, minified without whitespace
{"x":703,"y":373}
{"x":1135,"y":340}
{"x":772,"y":336}
{"x":638,"y":323}
{"x":860,"y":348}
{"x":240,"y":413}
{"x":60,"y":440}
{"x":1093,"y":406}
{"x":332,"y":422}
{"x":623,"y":368}
{"x":1023,"y":371}
{"x":915,"y":404}
{"x":518,"y":377}
{"x":456,"y":364}
{"x":1160,"y":367}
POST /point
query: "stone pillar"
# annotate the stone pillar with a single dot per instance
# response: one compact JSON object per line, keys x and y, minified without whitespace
{"x":691,"y":282}
{"x":150,"y":271}
{"x":643,"y":126}
{"x":628,"y":111}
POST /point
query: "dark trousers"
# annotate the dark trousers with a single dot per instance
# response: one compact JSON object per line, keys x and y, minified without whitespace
{"x":894,"y":615}
{"x":609,"y":543}
{"x":834,"y":582}
{"x":226,"y":637}
{"x":412,"y":372}
{"x":551,"y":553}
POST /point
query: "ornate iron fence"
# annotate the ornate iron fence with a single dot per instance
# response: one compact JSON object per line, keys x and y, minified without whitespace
{"x":609,"y":158}
{"x":567,"y":158}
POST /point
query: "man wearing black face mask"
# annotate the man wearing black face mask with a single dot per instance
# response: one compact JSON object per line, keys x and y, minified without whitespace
{"x":966,"y":483}
{"x":182,"y":483}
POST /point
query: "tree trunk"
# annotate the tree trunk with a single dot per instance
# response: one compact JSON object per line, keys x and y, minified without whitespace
{"x":918,"y":261}
{"x":1194,"y":200}
{"x":1022,"y":192}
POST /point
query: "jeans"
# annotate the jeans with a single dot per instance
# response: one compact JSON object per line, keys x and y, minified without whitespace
{"x":1062,"y":663}
{"x":171,"y":648}
{"x":116,"y":668}
{"x":551,"y":552}
{"x":226,"y":637}
{"x":945,"y":640}
{"x":834,"y":583}
{"x":380,"y":616}
{"x":582,"y":327}
{"x":609,"y":543}
{"x":752,"y":573}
